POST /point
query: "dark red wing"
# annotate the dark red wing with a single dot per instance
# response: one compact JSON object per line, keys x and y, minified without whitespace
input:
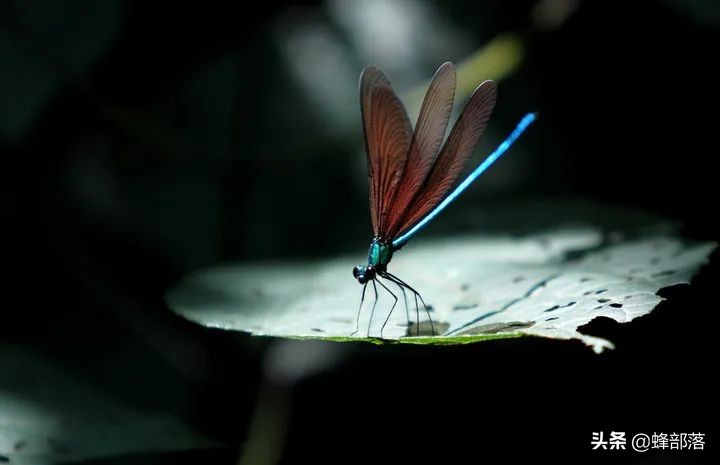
{"x":387,"y":139}
{"x":450,"y":163}
{"x":424,"y":146}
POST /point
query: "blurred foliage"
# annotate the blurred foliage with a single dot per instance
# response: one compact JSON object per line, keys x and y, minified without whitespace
{"x":47,"y":416}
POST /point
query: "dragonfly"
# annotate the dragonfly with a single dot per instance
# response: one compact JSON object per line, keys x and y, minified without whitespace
{"x":413,"y":176}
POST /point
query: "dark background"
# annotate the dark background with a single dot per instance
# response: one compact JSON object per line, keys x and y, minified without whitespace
{"x":141,"y":141}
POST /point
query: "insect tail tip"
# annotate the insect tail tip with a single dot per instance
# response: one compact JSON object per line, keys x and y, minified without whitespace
{"x":529,"y":118}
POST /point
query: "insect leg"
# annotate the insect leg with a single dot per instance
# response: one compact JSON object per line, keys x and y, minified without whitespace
{"x":391,"y":308}
{"x":402,"y":289}
{"x":417,"y":295}
{"x":357,"y":319}
{"x":397,"y":282}
{"x":372,"y":312}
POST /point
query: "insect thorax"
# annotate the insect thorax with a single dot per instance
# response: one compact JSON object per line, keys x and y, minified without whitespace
{"x":379,"y":254}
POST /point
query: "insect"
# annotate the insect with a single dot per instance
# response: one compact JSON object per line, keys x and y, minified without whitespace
{"x":411,"y":176}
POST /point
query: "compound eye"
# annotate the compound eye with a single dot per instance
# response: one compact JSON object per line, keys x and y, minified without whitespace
{"x":356,"y":271}
{"x":362,"y":279}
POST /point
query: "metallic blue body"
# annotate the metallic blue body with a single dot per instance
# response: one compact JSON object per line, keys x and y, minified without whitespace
{"x":379,"y":254}
{"x":502,"y":148}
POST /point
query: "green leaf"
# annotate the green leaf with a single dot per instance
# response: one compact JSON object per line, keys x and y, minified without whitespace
{"x":479,"y":288}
